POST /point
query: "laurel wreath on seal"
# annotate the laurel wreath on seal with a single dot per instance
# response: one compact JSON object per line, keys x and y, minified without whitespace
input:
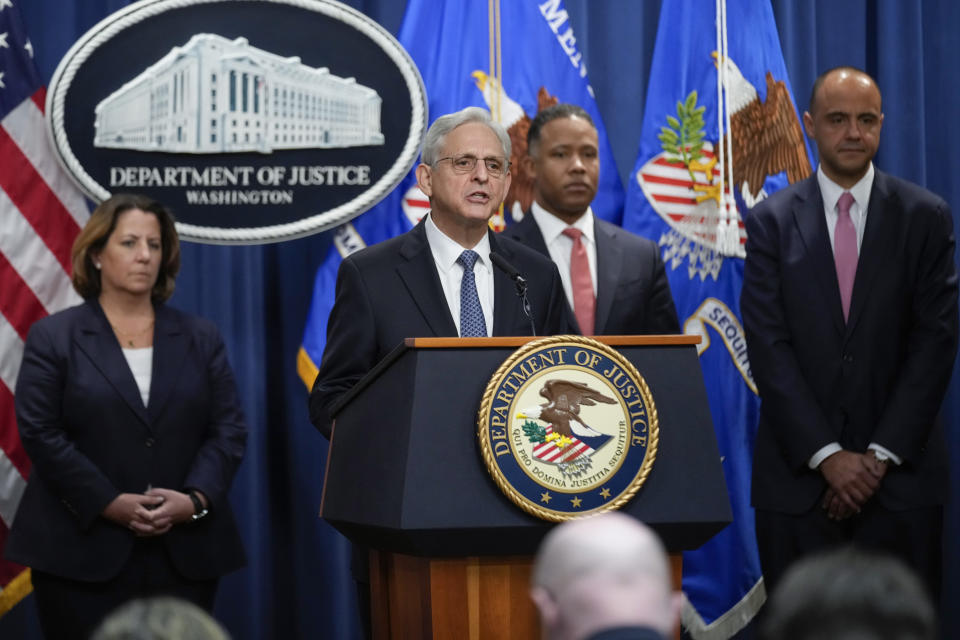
{"x":534,"y":432}
{"x":486,"y":452}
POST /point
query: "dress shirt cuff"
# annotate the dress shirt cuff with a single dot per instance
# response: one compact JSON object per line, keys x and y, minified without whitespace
{"x":823,"y":454}
{"x":894,"y":458}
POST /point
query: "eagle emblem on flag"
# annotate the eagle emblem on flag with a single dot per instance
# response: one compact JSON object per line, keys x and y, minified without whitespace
{"x":689,"y":183}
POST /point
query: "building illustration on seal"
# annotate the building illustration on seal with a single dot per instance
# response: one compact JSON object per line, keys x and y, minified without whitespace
{"x":215,"y":95}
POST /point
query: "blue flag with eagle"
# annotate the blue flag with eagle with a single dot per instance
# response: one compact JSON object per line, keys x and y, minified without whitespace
{"x":679,"y":195}
{"x":512,"y":58}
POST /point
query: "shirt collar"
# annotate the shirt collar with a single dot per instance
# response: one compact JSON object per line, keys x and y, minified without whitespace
{"x":831,"y":191}
{"x":446,"y":251}
{"x":551,"y":226}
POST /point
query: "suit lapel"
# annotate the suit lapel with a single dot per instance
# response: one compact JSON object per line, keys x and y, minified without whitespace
{"x":170,"y":346}
{"x":810,"y":221}
{"x":97,"y":341}
{"x":609,"y":264}
{"x":875,"y":247}
{"x":419,"y":273}
{"x":507,"y":308}
{"x":529,"y":233}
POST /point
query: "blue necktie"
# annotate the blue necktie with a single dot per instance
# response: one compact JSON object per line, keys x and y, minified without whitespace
{"x":472,"y":324}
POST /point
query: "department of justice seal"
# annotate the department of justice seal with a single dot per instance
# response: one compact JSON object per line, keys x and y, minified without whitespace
{"x":568,"y":426}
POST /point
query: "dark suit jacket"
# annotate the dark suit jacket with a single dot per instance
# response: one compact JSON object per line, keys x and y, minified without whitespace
{"x":391,"y":291}
{"x":633,"y":295}
{"x":89,"y":437}
{"x":627,"y":633}
{"x":881,"y":376}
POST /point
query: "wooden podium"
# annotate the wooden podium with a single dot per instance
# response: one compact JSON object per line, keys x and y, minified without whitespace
{"x":452,"y":554}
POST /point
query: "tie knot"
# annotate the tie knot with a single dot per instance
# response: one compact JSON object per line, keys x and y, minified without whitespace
{"x":843,"y":204}
{"x":468,"y":258}
{"x":573,"y":233}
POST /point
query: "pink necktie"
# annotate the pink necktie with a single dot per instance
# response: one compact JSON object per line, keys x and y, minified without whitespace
{"x":584,"y":302}
{"x":845,"y":251}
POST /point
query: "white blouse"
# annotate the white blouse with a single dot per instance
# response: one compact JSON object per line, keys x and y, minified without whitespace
{"x":141,"y":364}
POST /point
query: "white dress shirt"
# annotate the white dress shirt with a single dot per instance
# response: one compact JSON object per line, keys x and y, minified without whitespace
{"x":560,"y":246}
{"x":445,"y":253}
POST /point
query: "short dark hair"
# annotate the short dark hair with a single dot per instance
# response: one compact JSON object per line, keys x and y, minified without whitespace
{"x":102,"y":222}
{"x":847,"y":593}
{"x":557,"y":111}
{"x":823,"y":76}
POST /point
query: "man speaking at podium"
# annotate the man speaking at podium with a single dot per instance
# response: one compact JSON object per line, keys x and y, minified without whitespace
{"x":437,"y":280}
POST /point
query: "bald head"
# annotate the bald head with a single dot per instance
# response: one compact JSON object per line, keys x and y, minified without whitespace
{"x":603,"y":571}
{"x":845,"y":119}
{"x":840,"y":74}
{"x":610,"y":543}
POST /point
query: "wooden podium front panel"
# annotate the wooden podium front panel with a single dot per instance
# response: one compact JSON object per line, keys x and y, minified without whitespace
{"x":472,"y":598}
{"x":475,"y":598}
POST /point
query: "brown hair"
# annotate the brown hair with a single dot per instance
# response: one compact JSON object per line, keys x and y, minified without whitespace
{"x":102,"y":222}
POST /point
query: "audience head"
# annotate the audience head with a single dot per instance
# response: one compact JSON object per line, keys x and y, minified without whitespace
{"x":161,"y":618}
{"x":849,"y":594}
{"x":601,"y":572}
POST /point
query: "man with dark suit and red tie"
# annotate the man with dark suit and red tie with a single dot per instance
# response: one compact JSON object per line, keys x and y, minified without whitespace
{"x":849,"y":304}
{"x":615,"y":281}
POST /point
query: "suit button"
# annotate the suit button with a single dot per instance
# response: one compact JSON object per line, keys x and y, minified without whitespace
{"x":848,"y":358}
{"x":149,"y":442}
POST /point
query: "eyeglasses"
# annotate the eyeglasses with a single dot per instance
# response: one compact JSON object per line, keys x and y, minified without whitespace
{"x":496,"y":167}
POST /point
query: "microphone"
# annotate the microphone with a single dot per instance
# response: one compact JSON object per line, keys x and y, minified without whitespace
{"x":501,"y":263}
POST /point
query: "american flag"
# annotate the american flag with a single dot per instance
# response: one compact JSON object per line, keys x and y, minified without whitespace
{"x":41,"y":212}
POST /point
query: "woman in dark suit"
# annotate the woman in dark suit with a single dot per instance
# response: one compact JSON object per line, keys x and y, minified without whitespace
{"x":128,"y":410}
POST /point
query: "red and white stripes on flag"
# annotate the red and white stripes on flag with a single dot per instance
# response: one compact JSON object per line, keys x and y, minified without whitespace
{"x":41,"y":212}
{"x":551,"y":451}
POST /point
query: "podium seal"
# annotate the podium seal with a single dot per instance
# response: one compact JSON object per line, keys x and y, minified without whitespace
{"x":567,"y":426}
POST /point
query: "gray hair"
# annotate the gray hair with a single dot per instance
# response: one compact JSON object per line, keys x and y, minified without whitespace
{"x":437,"y":133}
{"x":160,"y":618}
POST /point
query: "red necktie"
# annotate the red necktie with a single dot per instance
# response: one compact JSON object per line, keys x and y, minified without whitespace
{"x":584,"y":302}
{"x":845,"y":251}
